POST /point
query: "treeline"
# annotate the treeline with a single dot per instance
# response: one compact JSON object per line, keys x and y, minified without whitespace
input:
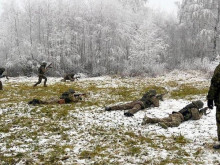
{"x":100,"y":37}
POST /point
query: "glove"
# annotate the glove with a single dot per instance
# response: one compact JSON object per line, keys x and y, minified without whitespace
{"x":210,"y":104}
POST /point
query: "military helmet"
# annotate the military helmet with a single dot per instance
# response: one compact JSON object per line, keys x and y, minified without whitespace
{"x":151,"y":92}
{"x":71,"y":91}
{"x":44,"y":63}
{"x":199,"y":104}
{"x":65,"y":94}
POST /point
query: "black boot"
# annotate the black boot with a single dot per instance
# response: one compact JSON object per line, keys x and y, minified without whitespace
{"x":30,"y":102}
{"x":216,"y":146}
{"x":108,"y":109}
{"x":128,"y":114}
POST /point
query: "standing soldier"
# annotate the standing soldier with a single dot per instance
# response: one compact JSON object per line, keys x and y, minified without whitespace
{"x":2,"y":74}
{"x":214,"y":96}
{"x":191,"y":111}
{"x":149,"y":99}
{"x":41,"y":71}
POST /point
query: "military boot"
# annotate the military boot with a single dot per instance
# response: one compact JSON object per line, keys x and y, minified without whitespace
{"x":108,"y":109}
{"x":146,"y":120}
{"x":216,"y":146}
{"x":128,"y":114}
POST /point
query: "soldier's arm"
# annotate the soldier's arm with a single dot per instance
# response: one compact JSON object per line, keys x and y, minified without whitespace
{"x":213,"y":90}
{"x":195,"y":114}
{"x":155,"y":101}
{"x":70,"y":78}
{"x":4,"y":74}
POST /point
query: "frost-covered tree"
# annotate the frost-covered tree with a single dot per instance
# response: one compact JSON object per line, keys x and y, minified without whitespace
{"x":200,"y":20}
{"x":93,"y":36}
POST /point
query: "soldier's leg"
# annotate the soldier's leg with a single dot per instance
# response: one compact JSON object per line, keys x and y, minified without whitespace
{"x":171,"y":121}
{"x":174,"y":123}
{"x":132,"y":111}
{"x":147,"y":120}
{"x":39,"y":81}
{"x":217,"y":146}
{"x":45,"y":80}
{"x":218,"y":122}
{"x":121,"y":107}
{"x":1,"y":87}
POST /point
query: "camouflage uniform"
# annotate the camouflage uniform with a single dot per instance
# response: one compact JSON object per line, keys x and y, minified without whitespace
{"x":148,"y":100}
{"x":191,"y":111}
{"x":214,"y":95}
{"x":66,"y":97}
{"x":69,"y":77}
{"x":2,"y":74}
{"x":41,"y":72}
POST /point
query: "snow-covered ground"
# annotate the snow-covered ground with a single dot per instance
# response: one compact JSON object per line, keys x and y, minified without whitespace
{"x":90,"y":135}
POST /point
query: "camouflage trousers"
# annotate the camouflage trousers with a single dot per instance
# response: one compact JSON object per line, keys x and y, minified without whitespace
{"x":1,"y":86}
{"x":174,"y":120}
{"x":218,"y":121}
{"x":52,"y":100}
{"x":132,"y":107}
{"x":40,"y":79}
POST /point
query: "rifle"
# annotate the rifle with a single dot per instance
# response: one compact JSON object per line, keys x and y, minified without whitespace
{"x":79,"y":94}
{"x":160,"y":97}
{"x":77,"y":77}
{"x":49,"y":66}
{"x":203,"y":111}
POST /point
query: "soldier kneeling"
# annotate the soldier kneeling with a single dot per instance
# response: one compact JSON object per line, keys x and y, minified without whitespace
{"x":191,"y":111}
{"x":70,"y":76}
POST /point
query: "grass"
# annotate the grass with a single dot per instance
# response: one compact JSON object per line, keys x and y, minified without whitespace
{"x":97,"y":151}
{"x":188,"y":90}
{"x":27,"y":126}
{"x":180,"y":139}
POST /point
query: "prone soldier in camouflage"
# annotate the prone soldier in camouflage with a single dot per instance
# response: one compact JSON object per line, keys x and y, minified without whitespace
{"x":149,"y":99}
{"x":69,"y":76}
{"x":191,"y":111}
{"x":66,"y":97}
{"x":41,"y":74}
{"x":214,"y":96}
{"x":2,"y":74}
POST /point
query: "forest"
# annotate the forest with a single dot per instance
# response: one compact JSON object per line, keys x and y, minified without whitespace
{"x":107,"y":37}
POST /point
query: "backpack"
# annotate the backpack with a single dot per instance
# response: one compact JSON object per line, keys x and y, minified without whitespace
{"x":66,"y":97}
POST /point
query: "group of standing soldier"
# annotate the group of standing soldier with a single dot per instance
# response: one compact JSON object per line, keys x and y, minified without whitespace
{"x":192,"y":111}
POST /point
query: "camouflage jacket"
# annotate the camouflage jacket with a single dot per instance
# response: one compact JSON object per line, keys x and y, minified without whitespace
{"x":186,"y":111}
{"x":41,"y":70}
{"x":214,"y":89}
{"x":69,"y":76}
{"x":152,"y":101}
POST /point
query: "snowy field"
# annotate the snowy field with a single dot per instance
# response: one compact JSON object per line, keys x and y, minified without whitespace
{"x":83,"y":133}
